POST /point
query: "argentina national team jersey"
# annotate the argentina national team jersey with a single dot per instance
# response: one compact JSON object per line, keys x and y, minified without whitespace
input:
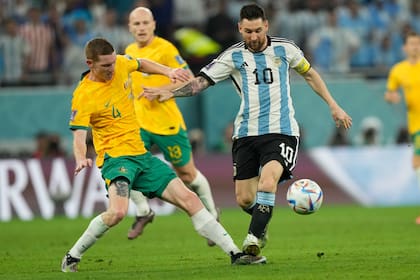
{"x":263,"y":83}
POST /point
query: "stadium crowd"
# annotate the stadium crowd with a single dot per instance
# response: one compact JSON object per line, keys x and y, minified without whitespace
{"x":42,"y":41}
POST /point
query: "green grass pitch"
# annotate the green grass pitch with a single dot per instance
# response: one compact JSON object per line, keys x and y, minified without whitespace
{"x":338,"y":242}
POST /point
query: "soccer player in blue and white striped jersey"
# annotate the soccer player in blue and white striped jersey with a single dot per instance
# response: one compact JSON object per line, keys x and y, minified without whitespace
{"x":266,"y":133}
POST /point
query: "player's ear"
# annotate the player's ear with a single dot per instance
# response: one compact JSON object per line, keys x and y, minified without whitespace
{"x":154,"y":25}
{"x":89,"y":62}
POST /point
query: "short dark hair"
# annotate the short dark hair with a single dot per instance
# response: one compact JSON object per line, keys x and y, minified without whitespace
{"x":252,"y":11}
{"x":410,"y":34}
{"x":96,"y":47}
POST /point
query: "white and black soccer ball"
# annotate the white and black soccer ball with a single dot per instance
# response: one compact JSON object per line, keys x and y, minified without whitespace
{"x":305,"y":196}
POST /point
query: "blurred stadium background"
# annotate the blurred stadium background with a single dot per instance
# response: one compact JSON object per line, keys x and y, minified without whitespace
{"x":353,"y":43}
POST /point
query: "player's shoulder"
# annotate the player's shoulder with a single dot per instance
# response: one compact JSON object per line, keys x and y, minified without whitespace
{"x":80,"y":91}
{"x":123,"y":60}
{"x":237,"y":47}
{"x":280,"y":41}
{"x":83,"y":82}
{"x":84,"y":86}
{"x":400,"y":66}
{"x":130,"y":47}
{"x":162,"y":43}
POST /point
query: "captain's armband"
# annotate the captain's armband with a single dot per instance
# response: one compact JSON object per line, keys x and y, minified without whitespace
{"x":303,"y":66}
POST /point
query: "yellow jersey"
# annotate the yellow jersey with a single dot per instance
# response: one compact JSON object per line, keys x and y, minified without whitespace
{"x":162,"y":118}
{"x":109,"y":109}
{"x":406,"y":76}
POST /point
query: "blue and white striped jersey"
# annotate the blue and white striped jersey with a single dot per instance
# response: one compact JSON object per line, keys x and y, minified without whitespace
{"x":262,"y":80}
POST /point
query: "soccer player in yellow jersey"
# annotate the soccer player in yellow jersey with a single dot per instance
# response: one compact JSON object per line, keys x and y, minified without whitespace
{"x":405,"y":75}
{"x":103,"y":100}
{"x":162,"y":123}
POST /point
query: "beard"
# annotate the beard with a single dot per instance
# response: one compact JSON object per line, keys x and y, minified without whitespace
{"x":255,"y":46}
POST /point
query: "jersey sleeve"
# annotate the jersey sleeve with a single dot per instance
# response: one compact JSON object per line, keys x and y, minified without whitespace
{"x":132,"y":64}
{"x":80,"y":113}
{"x":219,"y":69}
{"x":392,"y":83}
{"x":298,"y":61}
{"x":173,"y":59}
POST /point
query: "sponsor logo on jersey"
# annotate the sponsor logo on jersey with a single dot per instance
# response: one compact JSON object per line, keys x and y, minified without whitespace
{"x":244,"y":64}
{"x":73,"y":115}
{"x":208,"y":66}
{"x":179,"y":59}
{"x":128,"y":57}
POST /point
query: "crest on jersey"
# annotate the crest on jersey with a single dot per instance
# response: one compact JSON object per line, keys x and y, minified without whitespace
{"x":122,"y":169}
{"x":277,"y":61}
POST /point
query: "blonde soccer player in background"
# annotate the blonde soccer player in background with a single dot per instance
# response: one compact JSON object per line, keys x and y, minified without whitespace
{"x":162,"y":123}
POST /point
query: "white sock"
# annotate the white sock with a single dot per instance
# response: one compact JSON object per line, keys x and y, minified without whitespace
{"x":142,"y":205}
{"x":94,"y":231}
{"x":418,"y":176}
{"x":206,"y":225}
{"x":200,"y":185}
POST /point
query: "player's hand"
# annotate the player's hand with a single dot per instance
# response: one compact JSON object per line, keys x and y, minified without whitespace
{"x":153,"y":93}
{"x":392,"y":97}
{"x":179,"y":75}
{"x":82,"y":164}
{"x":341,"y":118}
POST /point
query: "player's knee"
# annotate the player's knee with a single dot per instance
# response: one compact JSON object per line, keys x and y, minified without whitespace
{"x":119,"y":208}
{"x":116,"y":216}
{"x":120,"y":214}
{"x":191,"y":202}
{"x":192,"y":199}
{"x":187,"y":175}
{"x":267,"y":184}
{"x":244,"y":200}
{"x":187,"y":178}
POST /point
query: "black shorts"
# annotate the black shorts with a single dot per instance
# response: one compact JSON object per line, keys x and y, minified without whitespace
{"x":251,"y":153}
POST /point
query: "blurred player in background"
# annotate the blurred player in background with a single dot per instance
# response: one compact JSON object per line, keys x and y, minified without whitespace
{"x":162,"y":123}
{"x":266,"y":133}
{"x":103,"y":100}
{"x":405,"y":75}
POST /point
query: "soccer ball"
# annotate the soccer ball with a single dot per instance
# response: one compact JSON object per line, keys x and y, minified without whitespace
{"x":304,"y":196}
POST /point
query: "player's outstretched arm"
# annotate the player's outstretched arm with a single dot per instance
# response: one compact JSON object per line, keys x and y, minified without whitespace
{"x":175,"y":74}
{"x":191,"y":88}
{"x":318,"y":85}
